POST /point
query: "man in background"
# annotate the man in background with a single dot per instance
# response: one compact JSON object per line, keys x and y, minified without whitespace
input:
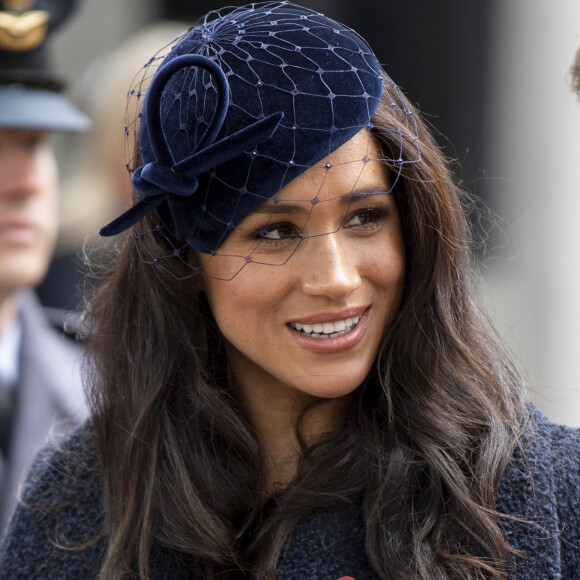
{"x":40,"y":384}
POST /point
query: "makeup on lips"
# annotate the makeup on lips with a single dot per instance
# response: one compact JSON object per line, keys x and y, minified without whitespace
{"x":336,"y":332}
{"x":326,"y":329}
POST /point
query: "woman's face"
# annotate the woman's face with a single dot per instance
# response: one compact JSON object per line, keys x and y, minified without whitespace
{"x":312,"y":324}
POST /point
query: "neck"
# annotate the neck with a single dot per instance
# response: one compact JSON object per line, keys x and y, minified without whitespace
{"x":276,"y":412}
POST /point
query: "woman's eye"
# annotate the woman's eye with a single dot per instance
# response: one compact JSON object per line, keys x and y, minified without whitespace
{"x":276,"y":232}
{"x":366,"y":218}
{"x":32,"y":140}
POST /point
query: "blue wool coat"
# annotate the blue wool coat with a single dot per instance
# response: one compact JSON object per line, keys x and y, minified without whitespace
{"x":542,"y":484}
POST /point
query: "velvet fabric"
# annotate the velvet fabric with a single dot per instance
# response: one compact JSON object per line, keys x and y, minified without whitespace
{"x":294,"y":85}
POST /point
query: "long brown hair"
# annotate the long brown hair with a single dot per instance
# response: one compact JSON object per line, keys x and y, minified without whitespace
{"x":422,"y":451}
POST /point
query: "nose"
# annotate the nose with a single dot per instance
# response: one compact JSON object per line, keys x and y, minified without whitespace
{"x":19,"y":174}
{"x":330,"y":267}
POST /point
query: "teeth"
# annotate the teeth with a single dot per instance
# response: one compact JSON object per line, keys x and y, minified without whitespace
{"x":326,"y":329}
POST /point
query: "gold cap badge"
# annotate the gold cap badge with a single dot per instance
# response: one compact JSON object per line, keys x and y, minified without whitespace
{"x":17,"y":5}
{"x":22,"y":29}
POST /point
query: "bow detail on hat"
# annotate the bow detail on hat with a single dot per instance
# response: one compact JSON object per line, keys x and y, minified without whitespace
{"x":163,"y":180}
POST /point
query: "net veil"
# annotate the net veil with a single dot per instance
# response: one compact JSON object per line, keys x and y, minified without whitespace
{"x":239,"y":138}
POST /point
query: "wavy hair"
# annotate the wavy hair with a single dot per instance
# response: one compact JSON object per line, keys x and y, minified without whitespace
{"x":421,"y":452}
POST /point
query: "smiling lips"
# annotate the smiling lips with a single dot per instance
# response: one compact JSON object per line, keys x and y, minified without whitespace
{"x":331,"y":336}
{"x":326,"y":329}
{"x":327,"y":336}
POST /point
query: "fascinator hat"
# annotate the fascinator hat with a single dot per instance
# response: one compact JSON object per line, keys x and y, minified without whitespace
{"x":240,"y":106}
{"x":30,"y":89}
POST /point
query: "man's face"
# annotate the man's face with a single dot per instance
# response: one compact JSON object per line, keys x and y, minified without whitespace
{"x":28,"y":207}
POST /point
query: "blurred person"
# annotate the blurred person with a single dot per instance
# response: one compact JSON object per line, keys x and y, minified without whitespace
{"x":98,"y":167}
{"x":40,"y":382}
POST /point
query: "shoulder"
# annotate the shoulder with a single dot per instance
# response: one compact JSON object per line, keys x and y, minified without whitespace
{"x":55,"y":321}
{"x":555,"y":448}
{"x":51,"y":361}
{"x":55,"y":529}
{"x":67,"y":460}
{"x":547,"y":457}
{"x":540,"y":489}
{"x":67,"y":323}
{"x":563,"y":454}
{"x":552,"y":453}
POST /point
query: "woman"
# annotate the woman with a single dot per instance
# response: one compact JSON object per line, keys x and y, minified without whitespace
{"x":289,"y":376}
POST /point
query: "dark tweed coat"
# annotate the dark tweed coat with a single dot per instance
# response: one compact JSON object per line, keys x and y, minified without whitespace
{"x":541,"y":484}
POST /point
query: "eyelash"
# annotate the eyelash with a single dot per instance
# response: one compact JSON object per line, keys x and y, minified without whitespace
{"x":375,"y":214}
{"x":261,"y":234}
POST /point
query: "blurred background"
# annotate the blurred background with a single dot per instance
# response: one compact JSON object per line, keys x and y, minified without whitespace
{"x":491,"y":78}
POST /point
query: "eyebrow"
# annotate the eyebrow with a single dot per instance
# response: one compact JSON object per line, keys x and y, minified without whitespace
{"x":301,"y":208}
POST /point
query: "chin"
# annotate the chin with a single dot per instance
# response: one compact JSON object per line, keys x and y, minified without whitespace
{"x":326,"y":390}
{"x":22,"y":274}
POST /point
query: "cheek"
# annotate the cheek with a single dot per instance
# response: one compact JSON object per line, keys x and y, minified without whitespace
{"x":385,"y":268}
{"x":48,"y":198}
{"x":385,"y":258}
{"x":238,"y":305}
{"x":394,"y":264}
{"x":225,"y":306}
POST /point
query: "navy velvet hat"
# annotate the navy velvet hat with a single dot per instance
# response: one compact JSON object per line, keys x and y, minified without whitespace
{"x":30,"y":90}
{"x":241,"y":106}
